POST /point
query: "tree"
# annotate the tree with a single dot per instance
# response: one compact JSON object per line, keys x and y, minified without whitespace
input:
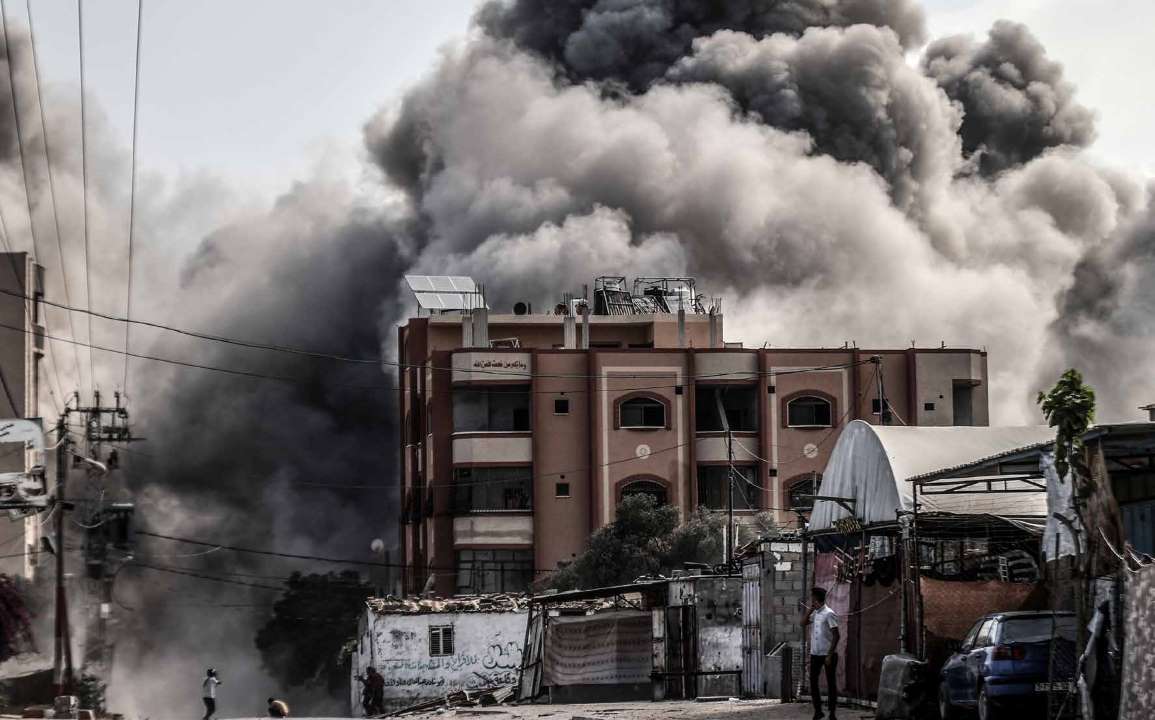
{"x":1069,"y":407}
{"x":313,"y":621}
{"x":645,"y":539}
{"x":15,"y":620}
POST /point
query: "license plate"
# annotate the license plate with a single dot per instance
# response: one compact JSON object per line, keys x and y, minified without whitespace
{"x":1055,"y":687}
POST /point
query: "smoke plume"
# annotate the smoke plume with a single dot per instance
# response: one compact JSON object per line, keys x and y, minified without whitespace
{"x":786,"y":153}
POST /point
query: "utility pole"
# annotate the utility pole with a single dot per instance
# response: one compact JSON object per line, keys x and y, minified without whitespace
{"x":729,"y":496}
{"x":62,"y":679}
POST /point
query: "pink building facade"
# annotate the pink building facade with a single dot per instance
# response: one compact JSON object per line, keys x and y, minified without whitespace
{"x":511,"y":456}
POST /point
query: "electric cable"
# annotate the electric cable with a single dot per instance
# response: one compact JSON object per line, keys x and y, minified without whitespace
{"x":424,"y":366}
{"x":51,"y":182}
{"x":84,"y":185}
{"x":132,"y":193}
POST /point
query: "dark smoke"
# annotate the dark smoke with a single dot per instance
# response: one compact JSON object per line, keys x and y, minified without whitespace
{"x":246,"y":460}
{"x":637,"y":41}
{"x":849,"y":89}
{"x":1016,"y":102}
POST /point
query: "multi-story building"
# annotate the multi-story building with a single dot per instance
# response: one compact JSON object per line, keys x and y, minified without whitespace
{"x":21,"y":347}
{"x":521,"y":432}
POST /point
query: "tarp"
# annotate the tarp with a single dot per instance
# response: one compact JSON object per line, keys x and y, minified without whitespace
{"x":1060,"y":495}
{"x":614,"y":648}
{"x":873,"y":464}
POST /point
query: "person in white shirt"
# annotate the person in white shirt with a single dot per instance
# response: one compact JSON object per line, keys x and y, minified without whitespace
{"x":209,"y":692}
{"x":824,"y":637}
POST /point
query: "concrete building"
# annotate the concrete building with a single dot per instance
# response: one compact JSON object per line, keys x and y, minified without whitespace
{"x":521,"y":432}
{"x":21,"y":348}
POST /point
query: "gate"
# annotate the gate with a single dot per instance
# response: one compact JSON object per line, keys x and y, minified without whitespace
{"x":681,"y":652}
{"x":752,"y":677}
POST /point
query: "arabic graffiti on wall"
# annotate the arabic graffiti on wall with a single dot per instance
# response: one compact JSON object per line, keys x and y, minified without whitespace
{"x":487,"y":653}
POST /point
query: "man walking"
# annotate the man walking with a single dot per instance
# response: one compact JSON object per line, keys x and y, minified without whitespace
{"x":823,"y":651}
{"x":209,"y":692}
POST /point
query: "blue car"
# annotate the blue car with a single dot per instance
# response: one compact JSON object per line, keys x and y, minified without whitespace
{"x":1006,"y":665}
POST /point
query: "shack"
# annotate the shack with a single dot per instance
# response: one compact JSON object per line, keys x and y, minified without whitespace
{"x":675,"y":638}
{"x":429,"y":647}
{"x":910,"y":566}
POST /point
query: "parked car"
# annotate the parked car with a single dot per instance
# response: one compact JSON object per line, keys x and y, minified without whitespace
{"x":1006,"y":664}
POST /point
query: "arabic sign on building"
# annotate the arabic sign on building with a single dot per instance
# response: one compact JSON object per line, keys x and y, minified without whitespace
{"x":491,"y":366}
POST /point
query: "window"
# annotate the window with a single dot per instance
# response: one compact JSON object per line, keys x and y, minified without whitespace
{"x":928,"y":407}
{"x":986,"y":634}
{"x":561,"y":490}
{"x":799,"y":489}
{"x":492,"y":489}
{"x":642,"y":413}
{"x":875,"y":405}
{"x":645,"y":487}
{"x":490,"y":571}
{"x":809,"y":411}
{"x":501,"y":408}
{"x":739,"y":403}
{"x":714,"y":486}
{"x":441,"y":641}
{"x":561,"y":406}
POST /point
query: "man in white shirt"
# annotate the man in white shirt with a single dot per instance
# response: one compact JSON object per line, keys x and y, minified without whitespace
{"x":824,"y":638}
{"x":209,"y":692}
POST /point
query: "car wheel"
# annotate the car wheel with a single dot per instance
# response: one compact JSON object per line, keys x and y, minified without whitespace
{"x":946,"y":711}
{"x":985,"y":708}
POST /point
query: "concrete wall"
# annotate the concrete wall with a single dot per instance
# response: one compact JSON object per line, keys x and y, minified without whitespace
{"x":936,"y":374}
{"x":487,"y":652}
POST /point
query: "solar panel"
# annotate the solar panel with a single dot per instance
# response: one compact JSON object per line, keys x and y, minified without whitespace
{"x":445,"y":292}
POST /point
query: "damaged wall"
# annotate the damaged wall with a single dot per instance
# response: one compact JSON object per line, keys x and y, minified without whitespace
{"x":486,"y":652}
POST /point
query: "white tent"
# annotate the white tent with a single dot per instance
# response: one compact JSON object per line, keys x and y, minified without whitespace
{"x":874,"y":465}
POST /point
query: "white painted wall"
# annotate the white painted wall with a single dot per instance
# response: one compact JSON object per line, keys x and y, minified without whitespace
{"x":487,"y":652}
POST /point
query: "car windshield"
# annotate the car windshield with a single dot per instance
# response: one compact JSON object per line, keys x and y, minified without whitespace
{"x":1037,"y":629}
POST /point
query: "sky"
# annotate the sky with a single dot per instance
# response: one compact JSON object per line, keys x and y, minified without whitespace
{"x":260,"y":92}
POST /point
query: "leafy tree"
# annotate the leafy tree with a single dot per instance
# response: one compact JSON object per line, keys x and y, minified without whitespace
{"x":646,"y":539}
{"x":1070,"y":408}
{"x":313,"y":621}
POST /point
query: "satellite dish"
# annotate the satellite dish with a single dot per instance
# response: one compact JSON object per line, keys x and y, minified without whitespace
{"x":520,"y":308}
{"x":377,"y":546}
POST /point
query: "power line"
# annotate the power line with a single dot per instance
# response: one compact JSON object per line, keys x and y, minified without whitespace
{"x":423,"y":366}
{"x":84,"y":184}
{"x":52,"y":183}
{"x":27,"y":191}
{"x":183,"y":363}
{"x":201,"y":576}
{"x":132,"y":192}
{"x":315,"y":558}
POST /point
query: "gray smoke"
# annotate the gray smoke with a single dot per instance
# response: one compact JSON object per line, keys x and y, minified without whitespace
{"x":1016,"y":101}
{"x":785,"y":153}
{"x":1105,"y":319}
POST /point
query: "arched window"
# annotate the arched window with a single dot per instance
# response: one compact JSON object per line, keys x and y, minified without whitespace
{"x":808,"y":411}
{"x":799,"y":487}
{"x":642,"y":413}
{"x":645,"y":487}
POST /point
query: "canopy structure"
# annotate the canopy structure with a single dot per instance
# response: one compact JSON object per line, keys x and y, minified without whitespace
{"x":874,"y":465}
